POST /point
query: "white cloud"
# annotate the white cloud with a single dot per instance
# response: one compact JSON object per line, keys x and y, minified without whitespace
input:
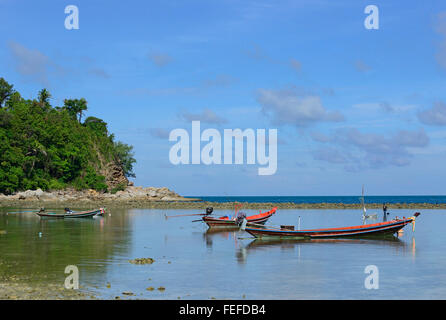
{"x":435,"y":116}
{"x":361,"y":66}
{"x":160,"y":133}
{"x":296,"y":65}
{"x":360,"y":150}
{"x":31,"y":63}
{"x":290,"y":107}
{"x":99,"y":72}
{"x":160,"y":59}
{"x":206,"y":116}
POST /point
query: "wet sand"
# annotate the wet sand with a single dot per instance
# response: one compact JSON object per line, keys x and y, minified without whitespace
{"x":15,"y":288}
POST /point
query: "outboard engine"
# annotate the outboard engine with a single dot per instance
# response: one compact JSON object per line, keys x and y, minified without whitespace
{"x":209,"y":210}
{"x":240,"y":217}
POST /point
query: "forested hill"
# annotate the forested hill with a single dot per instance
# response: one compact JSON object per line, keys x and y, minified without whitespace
{"x":54,"y":147}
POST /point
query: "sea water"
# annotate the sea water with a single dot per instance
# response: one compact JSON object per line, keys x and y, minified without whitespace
{"x":194,"y":262}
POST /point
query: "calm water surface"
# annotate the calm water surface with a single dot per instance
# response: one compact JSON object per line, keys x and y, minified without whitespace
{"x":193,"y":263}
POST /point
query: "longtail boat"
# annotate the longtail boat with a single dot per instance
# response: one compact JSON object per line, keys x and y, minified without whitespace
{"x":225,"y":221}
{"x":71,"y":214}
{"x":365,"y":230}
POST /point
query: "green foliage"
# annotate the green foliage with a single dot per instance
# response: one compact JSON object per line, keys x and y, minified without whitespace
{"x":97,"y":126}
{"x":6,"y":90}
{"x":44,"y":98}
{"x":55,"y":184}
{"x":90,"y":180}
{"x":125,"y":155}
{"x":47,"y":147}
{"x":75,"y":107}
{"x":119,"y":187}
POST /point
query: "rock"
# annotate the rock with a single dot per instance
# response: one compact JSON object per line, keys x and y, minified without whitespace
{"x":29,"y":194}
{"x":161,"y":288}
{"x":128,"y":293}
{"x":142,"y":261}
{"x":38,"y":193}
{"x":152,"y":193}
{"x":120,"y":193}
{"x":150,"y":289}
{"x":169,"y":198}
{"x":48,"y":196}
{"x":92,"y":193}
{"x":114,"y":175}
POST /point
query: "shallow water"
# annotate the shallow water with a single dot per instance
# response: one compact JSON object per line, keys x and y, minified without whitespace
{"x":193,"y":263}
{"x":435,"y":199}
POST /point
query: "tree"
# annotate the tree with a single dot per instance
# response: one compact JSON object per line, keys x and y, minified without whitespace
{"x":48,"y":148}
{"x":13,"y":100}
{"x":97,"y":125}
{"x":76,"y":107}
{"x":44,"y":98}
{"x":125,"y":156}
{"x":6,"y":90}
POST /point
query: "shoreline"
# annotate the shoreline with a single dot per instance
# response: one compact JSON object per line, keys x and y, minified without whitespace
{"x":164,"y":198}
{"x":201,"y":205}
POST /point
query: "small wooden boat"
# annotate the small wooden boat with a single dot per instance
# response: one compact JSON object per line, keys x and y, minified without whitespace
{"x":71,"y":214}
{"x":366,"y":230}
{"x":226,"y":222}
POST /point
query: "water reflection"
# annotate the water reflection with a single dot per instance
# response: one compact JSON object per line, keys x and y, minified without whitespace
{"x":291,"y":245}
{"x":242,"y":250}
{"x":212,"y":234}
{"x":41,"y":248}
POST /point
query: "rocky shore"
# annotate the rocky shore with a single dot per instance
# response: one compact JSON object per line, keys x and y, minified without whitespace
{"x":164,"y":198}
{"x":91,"y":198}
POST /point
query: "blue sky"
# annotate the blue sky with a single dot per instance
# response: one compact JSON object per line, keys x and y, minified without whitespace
{"x":352,"y":106}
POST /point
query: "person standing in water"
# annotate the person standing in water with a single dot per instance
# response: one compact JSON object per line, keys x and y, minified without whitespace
{"x":385,"y":212}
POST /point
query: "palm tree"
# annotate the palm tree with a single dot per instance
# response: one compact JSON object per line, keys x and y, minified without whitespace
{"x":44,"y":98}
{"x":82,"y":107}
{"x":75,"y":107}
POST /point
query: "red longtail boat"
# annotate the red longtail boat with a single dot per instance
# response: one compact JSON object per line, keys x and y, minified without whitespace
{"x":228,"y":222}
{"x":375,"y":229}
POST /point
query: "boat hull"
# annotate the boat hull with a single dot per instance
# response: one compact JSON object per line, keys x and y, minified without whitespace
{"x":370,"y":230}
{"x":258,"y":219}
{"x":82,"y":214}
